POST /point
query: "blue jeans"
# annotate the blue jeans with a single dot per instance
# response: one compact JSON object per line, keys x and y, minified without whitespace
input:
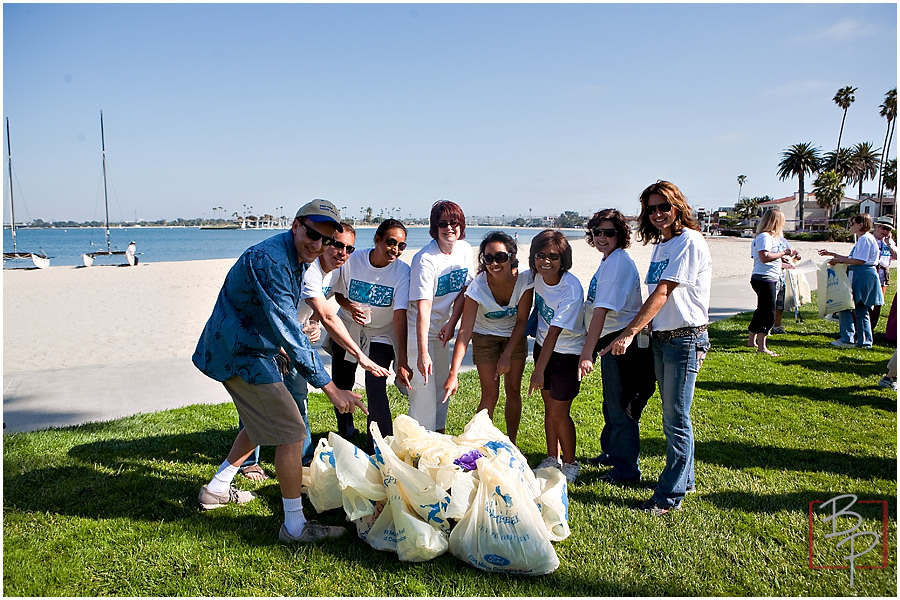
{"x":621,"y":436}
{"x":677,"y":363}
{"x":296,"y":385}
{"x":856,"y":325}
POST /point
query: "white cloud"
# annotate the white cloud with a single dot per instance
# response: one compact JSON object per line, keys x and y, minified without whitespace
{"x":843,"y":31}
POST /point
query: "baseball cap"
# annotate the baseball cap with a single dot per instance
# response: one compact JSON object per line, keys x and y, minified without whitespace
{"x":321,"y":211}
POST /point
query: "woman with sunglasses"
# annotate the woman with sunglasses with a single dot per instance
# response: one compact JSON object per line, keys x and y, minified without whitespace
{"x":856,"y":325}
{"x":558,"y":300}
{"x":678,"y":306}
{"x":613,"y":300}
{"x":494,"y":318}
{"x":373,"y":289}
{"x":438,"y":278}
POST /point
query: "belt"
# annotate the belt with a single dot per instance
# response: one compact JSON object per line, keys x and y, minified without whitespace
{"x":680,"y":332}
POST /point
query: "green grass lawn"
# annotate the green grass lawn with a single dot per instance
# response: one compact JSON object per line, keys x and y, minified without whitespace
{"x":111,"y":509}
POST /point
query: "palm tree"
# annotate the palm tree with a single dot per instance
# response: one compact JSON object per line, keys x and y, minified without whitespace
{"x":747,"y":208}
{"x":890,"y":175}
{"x":741,"y":180}
{"x":865,"y":161}
{"x":797,"y":161}
{"x":829,"y":189}
{"x":844,"y":98}
{"x":841,"y":162}
{"x":889,"y":112}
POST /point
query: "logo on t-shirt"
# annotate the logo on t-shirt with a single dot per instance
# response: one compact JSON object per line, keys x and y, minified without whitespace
{"x":499,"y":314}
{"x":370,"y":293}
{"x":656,"y":270}
{"x":592,"y":290}
{"x":326,"y":291}
{"x":545,"y":311}
{"x":451,"y":283}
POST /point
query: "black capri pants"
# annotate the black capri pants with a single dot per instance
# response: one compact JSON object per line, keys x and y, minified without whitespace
{"x":344,"y":375}
{"x":764,"y":315}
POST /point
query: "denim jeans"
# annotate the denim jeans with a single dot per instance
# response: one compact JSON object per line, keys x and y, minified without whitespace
{"x":856,"y":325}
{"x":621,"y":436}
{"x":296,"y":385}
{"x":677,"y":363}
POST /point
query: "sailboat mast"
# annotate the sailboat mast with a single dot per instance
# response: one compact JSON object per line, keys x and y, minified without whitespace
{"x":105,"y":196}
{"x":12,"y":206}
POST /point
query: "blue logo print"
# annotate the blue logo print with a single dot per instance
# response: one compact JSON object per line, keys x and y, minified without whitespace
{"x":592,"y":290}
{"x":451,"y":283}
{"x":656,"y":270}
{"x":371,"y":293}
{"x":499,"y":314}
{"x":545,"y":311}
{"x":496,"y":559}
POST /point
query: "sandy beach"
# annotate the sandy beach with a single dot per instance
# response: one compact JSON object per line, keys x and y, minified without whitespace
{"x":65,"y":317}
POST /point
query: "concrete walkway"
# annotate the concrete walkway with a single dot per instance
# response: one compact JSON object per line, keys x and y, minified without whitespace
{"x":35,"y":400}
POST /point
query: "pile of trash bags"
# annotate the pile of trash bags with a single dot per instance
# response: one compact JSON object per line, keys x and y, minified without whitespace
{"x":423,"y":493}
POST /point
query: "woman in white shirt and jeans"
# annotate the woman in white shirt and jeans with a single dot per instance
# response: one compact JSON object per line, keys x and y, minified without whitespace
{"x":766,"y":254}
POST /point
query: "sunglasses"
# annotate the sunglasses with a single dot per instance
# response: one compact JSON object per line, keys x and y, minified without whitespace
{"x":500,"y":258}
{"x":661,"y":207}
{"x":401,"y":246}
{"x":315,"y":236}
{"x":553,"y":256}
{"x":597,"y":232}
{"x":342,"y":246}
{"x":442,"y":224}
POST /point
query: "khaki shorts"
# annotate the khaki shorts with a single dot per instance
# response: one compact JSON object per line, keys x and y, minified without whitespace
{"x":486,"y":349}
{"x":268,"y":412}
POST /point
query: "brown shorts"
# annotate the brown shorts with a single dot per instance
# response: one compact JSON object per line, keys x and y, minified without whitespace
{"x":486,"y":349}
{"x":268,"y":412}
{"x":560,"y":375}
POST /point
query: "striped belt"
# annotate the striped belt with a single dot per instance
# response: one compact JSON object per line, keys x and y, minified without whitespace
{"x":680,"y":332}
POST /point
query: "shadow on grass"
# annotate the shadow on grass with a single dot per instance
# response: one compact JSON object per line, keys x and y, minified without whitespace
{"x":848,"y":396}
{"x":736,"y":455}
{"x":791,"y":501}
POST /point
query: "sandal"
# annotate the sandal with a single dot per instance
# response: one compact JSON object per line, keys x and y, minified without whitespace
{"x":253,"y":472}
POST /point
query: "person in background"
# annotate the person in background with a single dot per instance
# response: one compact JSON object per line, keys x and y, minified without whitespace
{"x":766,"y":252}
{"x":255,"y":316}
{"x":613,"y":300}
{"x":439,"y":275}
{"x":129,"y":254}
{"x":889,"y":381}
{"x":856,"y":325}
{"x":373,"y":291}
{"x":559,"y":301}
{"x":679,"y":284}
{"x":787,"y":263}
{"x":494,"y":317}
{"x":887,"y":249}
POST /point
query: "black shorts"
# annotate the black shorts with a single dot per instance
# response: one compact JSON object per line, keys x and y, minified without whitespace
{"x":560,"y":375}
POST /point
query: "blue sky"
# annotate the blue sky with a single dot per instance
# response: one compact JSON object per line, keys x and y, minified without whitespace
{"x":502,"y":108}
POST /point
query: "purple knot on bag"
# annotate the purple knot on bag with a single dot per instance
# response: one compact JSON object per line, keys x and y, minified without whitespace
{"x":467,"y":460}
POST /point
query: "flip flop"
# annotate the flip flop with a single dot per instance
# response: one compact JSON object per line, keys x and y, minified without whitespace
{"x":253,"y":472}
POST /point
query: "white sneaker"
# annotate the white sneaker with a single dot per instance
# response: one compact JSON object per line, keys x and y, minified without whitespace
{"x":889,"y":383}
{"x":550,"y":461}
{"x":842,"y":344}
{"x":571,"y":471}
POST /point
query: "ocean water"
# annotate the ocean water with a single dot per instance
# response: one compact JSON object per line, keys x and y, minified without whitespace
{"x":168,"y":244}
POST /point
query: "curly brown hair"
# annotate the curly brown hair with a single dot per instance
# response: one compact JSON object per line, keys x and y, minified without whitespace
{"x":647,"y":231}
{"x":623,"y":231}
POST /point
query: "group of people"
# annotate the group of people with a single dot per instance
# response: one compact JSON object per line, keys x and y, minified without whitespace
{"x":259,"y":339}
{"x":868,"y":266}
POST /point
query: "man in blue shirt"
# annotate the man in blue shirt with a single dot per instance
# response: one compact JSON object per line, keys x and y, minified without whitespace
{"x":254,"y":317}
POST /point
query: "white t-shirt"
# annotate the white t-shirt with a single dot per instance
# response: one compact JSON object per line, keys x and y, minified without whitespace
{"x":561,"y":305}
{"x":316,"y":284}
{"x":491,"y":318}
{"x":438,"y":277}
{"x":616,"y":286}
{"x":885,"y":253}
{"x":384,"y":289}
{"x":866,"y":249}
{"x":770,"y":271}
{"x":684,"y":260}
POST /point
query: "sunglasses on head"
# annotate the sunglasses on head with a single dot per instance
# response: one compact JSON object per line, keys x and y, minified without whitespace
{"x":500,"y":258}
{"x":315,"y":236}
{"x":401,"y":246}
{"x":343,"y":246}
{"x":553,"y":256}
{"x":661,"y":207}
{"x":597,"y":232}
{"x":442,"y":224}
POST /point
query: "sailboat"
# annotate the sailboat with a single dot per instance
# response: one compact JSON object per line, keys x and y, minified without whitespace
{"x":39,"y":259}
{"x":89,"y":257}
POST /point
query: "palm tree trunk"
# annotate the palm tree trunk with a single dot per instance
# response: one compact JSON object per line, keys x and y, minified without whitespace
{"x":884,"y":157}
{"x":801,"y":201}
{"x":840,"y":135}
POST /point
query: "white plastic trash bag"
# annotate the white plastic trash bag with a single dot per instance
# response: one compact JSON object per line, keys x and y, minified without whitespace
{"x":322,"y":487}
{"x":358,"y":476}
{"x":503,"y":530}
{"x":554,"y":502}
{"x":834,"y":289}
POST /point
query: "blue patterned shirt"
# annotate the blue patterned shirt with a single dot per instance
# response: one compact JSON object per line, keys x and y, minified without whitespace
{"x":255,"y":315}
